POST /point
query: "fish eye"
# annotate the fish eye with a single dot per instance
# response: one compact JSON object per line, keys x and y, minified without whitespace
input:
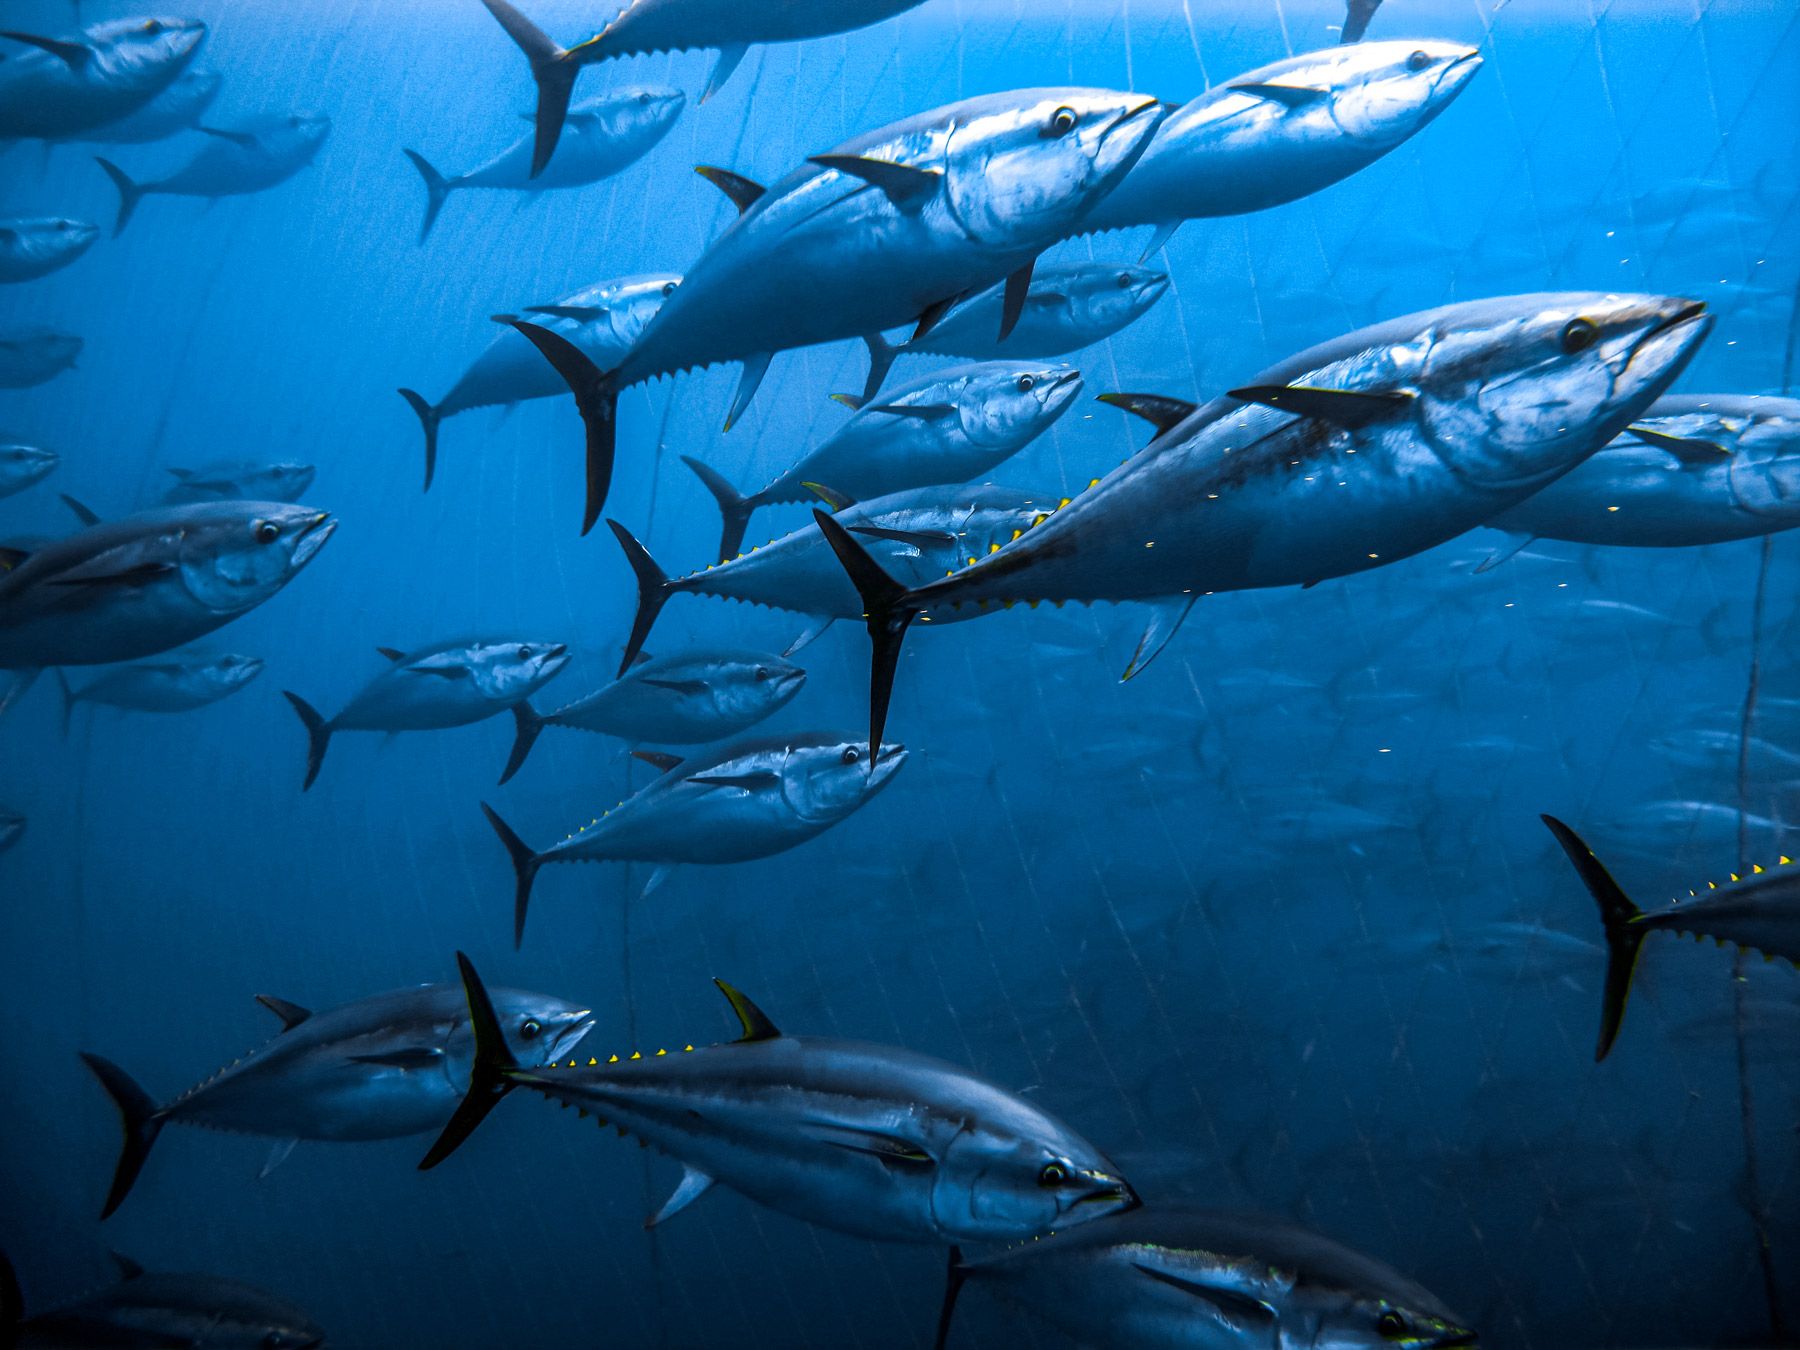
{"x":1578,"y":335}
{"x":1025,"y":383}
{"x":1124,"y":281}
{"x":644,"y":99}
{"x":1053,"y":1174}
{"x":1418,"y":61}
{"x":152,"y":26}
{"x":530,"y":1029}
{"x":265,"y":531}
{"x":1391,"y":1325}
{"x":668,"y":289}
{"x":524,"y":653}
{"x":762,"y":673}
{"x":851,"y":754}
{"x":1062,"y":122}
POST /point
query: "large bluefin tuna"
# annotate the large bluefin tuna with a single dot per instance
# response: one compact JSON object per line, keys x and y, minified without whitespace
{"x":234,"y":164}
{"x":109,"y":71}
{"x":30,"y":249}
{"x":606,"y":135}
{"x":163,"y":686}
{"x":1285,"y":131}
{"x":604,"y":320}
{"x":382,"y":1067}
{"x":947,"y":427}
{"x":1196,"y":1279}
{"x":866,"y":1139}
{"x":195,"y":1312}
{"x":888,"y":228}
{"x":238,"y":480}
{"x":23,"y":465}
{"x":32,"y":356}
{"x":691,"y":698}
{"x":645,"y":26}
{"x":1069,"y":306}
{"x":748,"y":800}
{"x":1353,"y":454}
{"x":1694,"y":469}
{"x":448,"y":684}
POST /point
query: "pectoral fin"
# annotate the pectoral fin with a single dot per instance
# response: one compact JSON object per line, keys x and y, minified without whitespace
{"x":446,"y":672}
{"x":694,"y":1184}
{"x":887,"y":1147}
{"x":74,"y":55}
{"x":1246,"y":1316}
{"x":1346,"y":408}
{"x":278,"y":1154}
{"x":409,"y":1057}
{"x":1160,"y":240}
{"x":130,"y":576}
{"x":81,"y":510}
{"x":1166,"y":618}
{"x":1287,"y":95}
{"x":656,"y":759}
{"x":919,"y":539}
{"x":246,"y":139}
{"x":1012,"y":303}
{"x":903,"y":184}
{"x":1687,"y":449}
{"x":927,"y":412}
{"x":676,"y":686}
{"x":291,"y":1014}
{"x":749,"y":782}
{"x":579,"y":313}
{"x":744,"y":192}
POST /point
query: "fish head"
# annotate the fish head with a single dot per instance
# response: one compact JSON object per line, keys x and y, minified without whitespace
{"x":634,"y":303}
{"x":636,"y":112}
{"x":1022,"y":168}
{"x":748,"y":688}
{"x":22,"y":465}
{"x":235,"y":555}
{"x":60,"y":237}
{"x":539,"y":1029}
{"x":139,"y":52}
{"x":1513,"y":392}
{"x":1112,"y":297}
{"x":1327,"y":1314}
{"x":829,"y":778}
{"x":1381,"y":93}
{"x":1009,"y":403}
{"x":1022,"y":1175}
{"x":286,"y":482}
{"x":509,"y":671}
{"x":1765,"y":466}
{"x":231,"y":672}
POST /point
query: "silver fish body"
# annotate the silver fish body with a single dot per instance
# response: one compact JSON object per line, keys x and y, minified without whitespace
{"x":232,"y":164}
{"x":23,"y":465}
{"x":30,"y":249}
{"x":156,"y":1308}
{"x":645,"y":26}
{"x":32,"y":356}
{"x":285,"y":482}
{"x":170,"y":686}
{"x":61,"y":87}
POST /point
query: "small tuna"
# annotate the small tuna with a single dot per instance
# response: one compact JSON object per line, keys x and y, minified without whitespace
{"x":109,"y":71}
{"x":163,"y":686}
{"x":23,"y":465}
{"x":236,"y":163}
{"x":868,"y":1140}
{"x":690,"y":699}
{"x":751,"y":799}
{"x":239,"y":481}
{"x":30,"y":249}
{"x":382,"y":1067}
{"x":1758,"y":913}
{"x":33,"y":356}
{"x":450,"y":684}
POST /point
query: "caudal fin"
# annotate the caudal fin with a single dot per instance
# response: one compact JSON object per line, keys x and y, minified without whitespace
{"x":1624,"y":938}
{"x":528,"y":724}
{"x":437,"y":191}
{"x":318,"y":735}
{"x":882,"y":355}
{"x":489,"y":1076}
{"x":953,"y":1283}
{"x":654,"y":590}
{"x":142,"y":1124}
{"x":130,"y":193}
{"x":552,"y":68}
{"x":597,"y":400}
{"x":525,"y":861}
{"x":887,"y":609}
{"x":68,"y":700}
{"x":430,"y":419}
{"x":733,"y":507}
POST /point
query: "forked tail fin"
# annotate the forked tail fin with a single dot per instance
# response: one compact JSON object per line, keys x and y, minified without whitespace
{"x":429,"y":418}
{"x":1624,"y":938}
{"x":528,"y":724}
{"x":596,"y":399}
{"x":888,"y":610}
{"x":734,"y":507}
{"x":654,"y":589}
{"x":142,"y":1124}
{"x":437,"y":191}
{"x":130,"y":193}
{"x":318,"y":735}
{"x":525,"y":861}
{"x":489,"y":1076}
{"x":953,"y":1283}
{"x":553,"y":71}
{"x":882,"y":355}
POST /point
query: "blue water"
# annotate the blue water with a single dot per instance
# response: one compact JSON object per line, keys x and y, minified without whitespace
{"x":1217,"y":919}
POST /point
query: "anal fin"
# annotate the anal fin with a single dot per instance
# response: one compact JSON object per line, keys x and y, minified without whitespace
{"x":694,"y":1184}
{"x":1166,"y":618}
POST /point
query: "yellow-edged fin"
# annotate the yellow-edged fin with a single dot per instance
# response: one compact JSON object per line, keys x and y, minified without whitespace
{"x":756,"y":1024}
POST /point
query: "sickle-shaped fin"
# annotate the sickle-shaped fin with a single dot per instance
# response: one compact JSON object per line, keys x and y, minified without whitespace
{"x":291,"y":1014}
{"x":887,"y":610}
{"x":903,"y":184}
{"x":735,"y":509}
{"x":1159,"y":240}
{"x":525,"y":861}
{"x":919,"y":539}
{"x":140,"y":575}
{"x":1165,"y":620}
{"x":80,"y":509}
{"x":929,"y":318}
{"x":1347,"y":408}
{"x":837,"y":501}
{"x":656,"y":759}
{"x":744,"y":192}
{"x":552,"y":70}
{"x":1287,"y":95}
{"x":1688,"y":449}
{"x":528,"y":725}
{"x":392,"y":653}
{"x":247,"y":139}
{"x":730,"y":58}
{"x":654,"y":589}
{"x":597,"y":400}
{"x":278,"y":1154}
{"x":490,"y":1077}
{"x":756,"y":1025}
{"x":128,"y":1269}
{"x":808,"y":635}
{"x":694,"y":1184}
{"x":430,"y":418}
{"x":1624,"y":938}
{"x":1012,"y":300}
{"x":141,"y":1119}
{"x":925,"y":412}
{"x":748,"y":782}
{"x":1156,"y":409}
{"x":74,"y":55}
{"x":755,"y":367}
{"x":1357,"y":14}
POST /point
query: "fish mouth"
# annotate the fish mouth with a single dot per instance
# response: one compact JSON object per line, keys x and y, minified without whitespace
{"x":1148,"y":109}
{"x":1458,"y":73}
{"x":1115,"y":1193}
{"x":1671,"y":341}
{"x":312,"y":538}
{"x":792,"y":679}
{"x":1153,"y":288}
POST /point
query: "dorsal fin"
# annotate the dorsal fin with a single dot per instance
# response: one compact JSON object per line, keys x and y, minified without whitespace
{"x":83,"y":512}
{"x":291,"y":1014}
{"x":757,"y":1026}
{"x":744,"y":192}
{"x":392,"y":653}
{"x":836,"y":500}
{"x":128,"y":1269}
{"x":656,"y":759}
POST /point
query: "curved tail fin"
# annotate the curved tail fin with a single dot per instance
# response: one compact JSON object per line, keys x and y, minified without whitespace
{"x":596,"y":398}
{"x":318,"y":735}
{"x":437,"y":190}
{"x":554,"y":72}
{"x":525,"y":861}
{"x":68,"y":699}
{"x":882,"y":355}
{"x":887,"y":609}
{"x":142,"y":1124}
{"x":489,"y":1078}
{"x":734,"y":507}
{"x":1624,"y":938}
{"x":430,"y":419}
{"x":654,"y":589}
{"x":130,"y":193}
{"x":953,"y":1283}
{"x":528,"y":724}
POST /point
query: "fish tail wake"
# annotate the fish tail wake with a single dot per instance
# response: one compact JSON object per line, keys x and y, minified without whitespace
{"x":1624,"y":938}
{"x":130,"y":193}
{"x":525,"y":861}
{"x":552,"y":69}
{"x":888,"y":609}
{"x":437,"y":190}
{"x":596,"y":399}
{"x":734,"y":507}
{"x":654,"y":589}
{"x":318,"y":735}
{"x":69,"y":697}
{"x":882,"y":355}
{"x":430,"y":419}
{"x":528,"y":724}
{"x":143,"y":1122}
{"x":489,"y":1076}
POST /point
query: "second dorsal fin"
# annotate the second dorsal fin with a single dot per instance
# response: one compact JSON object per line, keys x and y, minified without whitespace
{"x":756,"y":1024}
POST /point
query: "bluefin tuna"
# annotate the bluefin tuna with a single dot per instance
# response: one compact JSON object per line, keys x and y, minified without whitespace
{"x":944,"y":428}
{"x":163,"y":686}
{"x":23,"y":465}
{"x":32,"y":356}
{"x":1197,"y":1279}
{"x":1355,"y":453}
{"x":689,"y":699}
{"x":747,"y":800}
{"x":195,"y":1312}
{"x":448,"y":684}
{"x":30,"y":249}
{"x":888,"y":228}
{"x":12,"y":827}
{"x":865,"y":1139}
{"x":645,"y":26}
{"x":240,"y":481}
{"x":603,"y":320}
{"x":606,"y":135}
{"x":177,"y":109}
{"x":1758,"y":913}
{"x":1694,"y":469}
{"x":234,"y":164}
{"x":108,"y":71}
{"x":383,"y":1067}
{"x":1069,"y":306}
